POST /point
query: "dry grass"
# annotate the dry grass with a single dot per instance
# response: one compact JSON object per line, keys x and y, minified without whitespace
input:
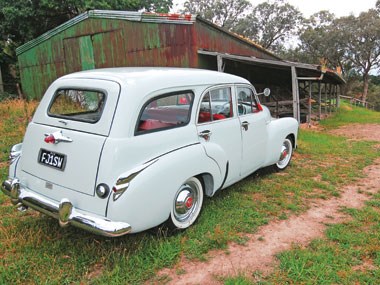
{"x":15,"y":116}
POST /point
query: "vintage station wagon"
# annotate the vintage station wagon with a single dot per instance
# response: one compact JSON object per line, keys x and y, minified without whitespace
{"x":121,"y":150}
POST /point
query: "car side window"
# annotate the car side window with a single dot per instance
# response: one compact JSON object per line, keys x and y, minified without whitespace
{"x":165,"y":112}
{"x":247,"y":102}
{"x":216,"y":105}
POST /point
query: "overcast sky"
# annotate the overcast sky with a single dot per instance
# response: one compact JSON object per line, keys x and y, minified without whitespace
{"x":309,"y":7}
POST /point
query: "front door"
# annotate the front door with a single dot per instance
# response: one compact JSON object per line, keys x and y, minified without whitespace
{"x":253,"y":127}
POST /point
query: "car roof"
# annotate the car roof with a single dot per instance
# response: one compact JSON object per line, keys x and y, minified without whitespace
{"x":161,"y":77}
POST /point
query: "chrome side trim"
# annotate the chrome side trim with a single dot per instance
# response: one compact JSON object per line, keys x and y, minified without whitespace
{"x":64,"y":211}
{"x":123,"y":181}
{"x":15,"y":152}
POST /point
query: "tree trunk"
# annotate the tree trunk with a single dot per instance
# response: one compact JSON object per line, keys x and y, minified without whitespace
{"x":1,"y":83}
{"x":365,"y":86}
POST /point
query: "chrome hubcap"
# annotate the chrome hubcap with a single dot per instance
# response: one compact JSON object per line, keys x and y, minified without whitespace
{"x":185,"y":202}
{"x":285,"y":154}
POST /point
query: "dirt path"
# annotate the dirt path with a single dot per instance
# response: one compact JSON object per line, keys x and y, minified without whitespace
{"x":258,"y":254}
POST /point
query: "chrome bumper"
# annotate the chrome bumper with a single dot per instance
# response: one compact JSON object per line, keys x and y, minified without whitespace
{"x":65,"y":212}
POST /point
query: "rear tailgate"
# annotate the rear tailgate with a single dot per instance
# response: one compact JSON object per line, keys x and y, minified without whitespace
{"x":70,"y":161}
{"x":77,"y":171}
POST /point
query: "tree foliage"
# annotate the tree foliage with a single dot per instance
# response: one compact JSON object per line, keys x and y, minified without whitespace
{"x":350,"y":43}
{"x":363,"y":43}
{"x":224,"y":13}
{"x":271,"y":24}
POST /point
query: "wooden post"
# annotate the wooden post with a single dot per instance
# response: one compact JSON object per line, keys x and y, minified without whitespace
{"x":325,"y":99}
{"x":330,"y":97}
{"x":219,"y":60}
{"x":296,"y":97}
{"x":319,"y":100}
{"x":337,"y":96}
{"x":309,"y":104}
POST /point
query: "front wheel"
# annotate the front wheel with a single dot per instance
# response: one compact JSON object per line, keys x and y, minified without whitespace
{"x":285,"y":154}
{"x":187,"y":204}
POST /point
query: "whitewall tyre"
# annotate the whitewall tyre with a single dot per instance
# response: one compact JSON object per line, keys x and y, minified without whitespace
{"x":285,"y":154}
{"x":187,"y":204}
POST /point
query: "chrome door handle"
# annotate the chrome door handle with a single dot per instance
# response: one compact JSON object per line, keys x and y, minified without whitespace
{"x":245,"y":125}
{"x":205,"y":134}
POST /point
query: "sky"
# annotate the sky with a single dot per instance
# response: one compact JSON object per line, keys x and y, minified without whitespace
{"x":308,"y":7}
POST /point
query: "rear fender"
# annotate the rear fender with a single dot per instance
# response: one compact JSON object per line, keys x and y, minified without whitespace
{"x":148,"y":199}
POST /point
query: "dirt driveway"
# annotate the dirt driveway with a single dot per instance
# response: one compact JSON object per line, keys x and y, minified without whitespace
{"x":258,"y":254}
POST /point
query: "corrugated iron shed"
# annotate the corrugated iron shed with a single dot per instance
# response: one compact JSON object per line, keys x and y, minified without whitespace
{"x":99,"y":39}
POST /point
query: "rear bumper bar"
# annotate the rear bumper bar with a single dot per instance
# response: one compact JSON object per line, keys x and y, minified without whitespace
{"x":64,"y":211}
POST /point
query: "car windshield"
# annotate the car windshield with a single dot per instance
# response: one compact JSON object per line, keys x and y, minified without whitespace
{"x":78,"y":105}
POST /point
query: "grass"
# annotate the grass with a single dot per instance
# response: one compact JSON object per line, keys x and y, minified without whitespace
{"x":348,"y":114}
{"x":34,"y":249}
{"x":350,"y":253}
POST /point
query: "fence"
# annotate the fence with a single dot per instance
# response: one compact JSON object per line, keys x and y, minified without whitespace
{"x":358,"y":102}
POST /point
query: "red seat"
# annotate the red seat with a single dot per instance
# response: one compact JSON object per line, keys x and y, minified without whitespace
{"x":206,"y":117}
{"x":153,"y":124}
{"x":216,"y":117}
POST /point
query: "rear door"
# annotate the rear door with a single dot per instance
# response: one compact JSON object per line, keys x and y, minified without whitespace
{"x":63,"y":143}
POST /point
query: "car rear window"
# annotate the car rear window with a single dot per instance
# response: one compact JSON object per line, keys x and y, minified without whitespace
{"x":78,"y":105}
{"x":164,"y":112}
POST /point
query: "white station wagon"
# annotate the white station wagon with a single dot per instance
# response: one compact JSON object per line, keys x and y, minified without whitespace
{"x":121,"y":150}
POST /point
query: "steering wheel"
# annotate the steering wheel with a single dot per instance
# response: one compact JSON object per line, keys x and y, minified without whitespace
{"x":241,"y":109}
{"x":225,"y":109}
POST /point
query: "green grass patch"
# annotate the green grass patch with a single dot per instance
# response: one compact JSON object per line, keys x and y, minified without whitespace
{"x":350,"y":253}
{"x":34,"y":249}
{"x":349,"y":114}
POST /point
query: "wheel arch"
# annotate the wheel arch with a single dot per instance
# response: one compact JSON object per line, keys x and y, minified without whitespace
{"x":292,"y":138}
{"x":207,"y":181}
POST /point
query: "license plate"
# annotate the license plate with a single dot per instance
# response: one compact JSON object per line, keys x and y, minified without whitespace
{"x":52,"y":159}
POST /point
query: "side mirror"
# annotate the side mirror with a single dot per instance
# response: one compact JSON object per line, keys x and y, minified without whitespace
{"x":266,"y":92}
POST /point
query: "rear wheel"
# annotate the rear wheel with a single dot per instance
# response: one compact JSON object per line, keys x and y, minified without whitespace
{"x":187,"y":204}
{"x":285,"y":154}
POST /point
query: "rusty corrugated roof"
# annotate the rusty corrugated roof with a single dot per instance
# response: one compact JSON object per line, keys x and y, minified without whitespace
{"x":108,"y":14}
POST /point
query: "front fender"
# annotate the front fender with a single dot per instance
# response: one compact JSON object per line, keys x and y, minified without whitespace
{"x":148,"y":200}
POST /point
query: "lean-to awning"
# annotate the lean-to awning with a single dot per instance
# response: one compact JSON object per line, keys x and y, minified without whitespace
{"x":290,"y":71}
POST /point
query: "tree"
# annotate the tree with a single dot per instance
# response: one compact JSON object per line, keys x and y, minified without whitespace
{"x":224,"y":13}
{"x":322,"y":39}
{"x":363,"y":43}
{"x":271,"y":24}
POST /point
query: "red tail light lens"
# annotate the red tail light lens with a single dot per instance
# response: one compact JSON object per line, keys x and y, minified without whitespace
{"x":49,"y":139}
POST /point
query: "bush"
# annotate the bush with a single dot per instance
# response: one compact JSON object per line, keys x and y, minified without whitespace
{"x":7,"y":96}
